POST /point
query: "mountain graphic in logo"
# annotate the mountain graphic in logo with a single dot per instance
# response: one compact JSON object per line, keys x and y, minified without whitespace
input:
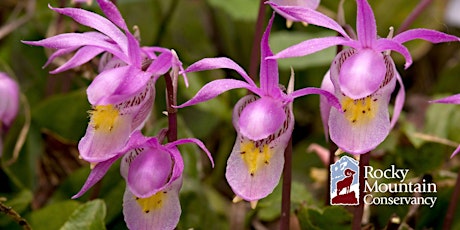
{"x":344,"y":185}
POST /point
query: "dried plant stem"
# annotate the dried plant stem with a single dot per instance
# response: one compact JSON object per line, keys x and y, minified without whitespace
{"x":255,"y":53}
{"x":172,"y":112}
{"x":359,"y":210}
{"x":15,"y":216}
{"x":286,"y":189}
{"x":452,"y":205}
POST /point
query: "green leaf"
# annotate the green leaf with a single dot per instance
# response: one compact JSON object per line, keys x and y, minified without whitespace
{"x":63,"y":114}
{"x":88,"y":216}
{"x":19,"y":203}
{"x":238,"y":9}
{"x":53,"y":216}
{"x":283,"y":39}
{"x":334,"y":217}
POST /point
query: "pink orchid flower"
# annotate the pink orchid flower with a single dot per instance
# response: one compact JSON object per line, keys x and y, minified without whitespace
{"x":362,"y":76}
{"x":122,"y":94}
{"x":153,"y":174}
{"x":263,"y":122}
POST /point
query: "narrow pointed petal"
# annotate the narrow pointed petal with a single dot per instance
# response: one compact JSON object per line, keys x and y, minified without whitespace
{"x":454,"y":99}
{"x":194,"y":141}
{"x":112,"y":13}
{"x":309,"y":16}
{"x":268,"y":68}
{"x":161,"y":64}
{"x":312,"y":4}
{"x":59,"y":53}
{"x":432,"y":36}
{"x":384,"y":44}
{"x":215,"y":88}
{"x":82,"y":56}
{"x":69,"y":40}
{"x":399,"y":102}
{"x":330,"y":98}
{"x":365,"y":24}
{"x":254,"y":168}
{"x":310,"y":46}
{"x":457,"y":150}
{"x":134,"y":51}
{"x":361,"y":74}
{"x":161,"y":211}
{"x":219,"y":63}
{"x":97,"y":173}
{"x":324,"y":105}
{"x":95,"y":21}
{"x":261,"y":118}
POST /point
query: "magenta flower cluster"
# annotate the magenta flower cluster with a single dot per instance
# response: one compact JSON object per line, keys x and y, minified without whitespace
{"x":355,"y":96}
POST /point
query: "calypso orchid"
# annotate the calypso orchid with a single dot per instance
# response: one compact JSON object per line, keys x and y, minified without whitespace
{"x":153,"y":174}
{"x":454,"y":99}
{"x":362,"y":76}
{"x":263,"y":122}
{"x":9,"y":104}
{"x":122,"y":94}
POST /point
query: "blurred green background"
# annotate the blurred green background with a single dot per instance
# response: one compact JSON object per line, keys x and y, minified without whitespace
{"x":39,"y":181}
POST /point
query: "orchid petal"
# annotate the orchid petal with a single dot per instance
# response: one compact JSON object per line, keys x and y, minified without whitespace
{"x":331,"y":99}
{"x":254,"y":168}
{"x":324,"y":104}
{"x":215,"y":88}
{"x":134,"y":51}
{"x":454,"y":99}
{"x":399,"y":102}
{"x":360,"y":136}
{"x":115,"y":85}
{"x":69,"y":40}
{"x":310,"y":46}
{"x":96,"y":174}
{"x":9,"y":101}
{"x":161,"y":211}
{"x":59,"y":53}
{"x":95,"y":21}
{"x":457,"y":150}
{"x":194,"y":141}
{"x":261,"y":118}
{"x":268,"y":68}
{"x":384,"y":44}
{"x":112,"y":13}
{"x":312,"y":4}
{"x":161,"y":64}
{"x":365,"y":24}
{"x":309,"y":16}
{"x":83,"y":55}
{"x":149,"y":172}
{"x":219,"y":63}
{"x":362,"y":73}
{"x":100,"y":145}
{"x":432,"y":36}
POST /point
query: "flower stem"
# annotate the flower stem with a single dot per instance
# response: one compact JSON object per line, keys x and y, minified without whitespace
{"x":422,"y":5}
{"x":172,"y":112}
{"x":452,"y":205}
{"x":286,"y":189}
{"x":255,"y":53}
{"x":15,"y":216}
{"x":358,"y":213}
{"x":332,"y":150}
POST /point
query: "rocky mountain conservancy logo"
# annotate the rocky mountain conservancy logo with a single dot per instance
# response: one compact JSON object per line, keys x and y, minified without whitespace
{"x":344,"y":185}
{"x":389,"y":186}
